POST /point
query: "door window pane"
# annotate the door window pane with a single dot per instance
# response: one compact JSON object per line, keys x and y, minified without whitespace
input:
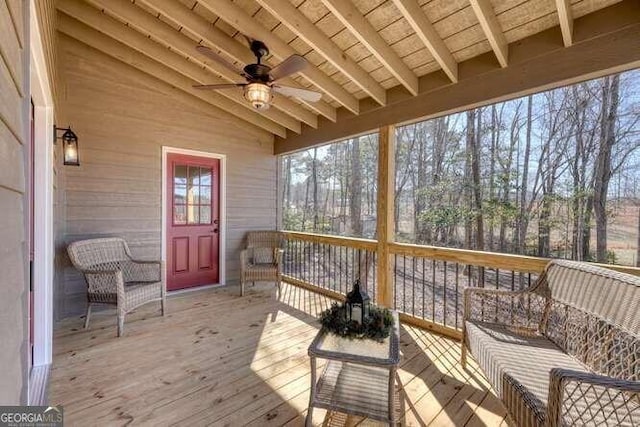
{"x":205,"y":176}
{"x":205,"y":195}
{"x":193,"y":198}
{"x":194,"y":175}
{"x":205,"y":214}
{"x":179,"y":194}
{"x":193,"y":214}
{"x":179,"y":214}
{"x":180,"y":175}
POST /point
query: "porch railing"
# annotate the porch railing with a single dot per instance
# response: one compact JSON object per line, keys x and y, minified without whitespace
{"x":427,"y":283}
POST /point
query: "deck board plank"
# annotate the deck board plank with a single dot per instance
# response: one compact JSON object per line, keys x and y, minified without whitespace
{"x":220,"y":359}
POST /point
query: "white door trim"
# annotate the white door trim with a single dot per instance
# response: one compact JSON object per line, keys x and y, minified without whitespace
{"x":43,"y":195}
{"x":223,"y":205}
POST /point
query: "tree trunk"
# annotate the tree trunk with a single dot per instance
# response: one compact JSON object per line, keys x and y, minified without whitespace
{"x":355,"y":205}
{"x":603,"y":172}
{"x":477,"y":189}
{"x":468,"y":183}
{"x":638,"y":242}
{"x":492,"y":171}
{"x":523,"y":222}
{"x":314,"y":177}
{"x":421,"y":196}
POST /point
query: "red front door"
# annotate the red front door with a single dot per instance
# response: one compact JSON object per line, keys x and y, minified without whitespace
{"x":193,"y":221}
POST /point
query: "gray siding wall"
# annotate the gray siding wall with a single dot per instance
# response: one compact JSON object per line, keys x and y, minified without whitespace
{"x":123,"y":118}
{"x":13,"y":149}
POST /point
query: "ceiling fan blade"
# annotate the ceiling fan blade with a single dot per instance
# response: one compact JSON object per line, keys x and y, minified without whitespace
{"x":304,"y":94}
{"x":219,"y":59}
{"x":291,"y":65}
{"x":219,"y":86}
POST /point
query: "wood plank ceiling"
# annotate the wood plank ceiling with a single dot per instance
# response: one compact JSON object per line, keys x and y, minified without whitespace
{"x":357,"y":48}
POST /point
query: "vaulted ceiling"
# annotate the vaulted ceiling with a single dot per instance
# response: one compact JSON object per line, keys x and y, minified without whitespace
{"x":361,"y":52}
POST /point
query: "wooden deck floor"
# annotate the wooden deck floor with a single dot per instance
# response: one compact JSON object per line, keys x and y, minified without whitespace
{"x":218,"y":359}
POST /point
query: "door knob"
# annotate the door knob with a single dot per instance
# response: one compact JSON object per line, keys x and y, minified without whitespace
{"x":215,"y":230}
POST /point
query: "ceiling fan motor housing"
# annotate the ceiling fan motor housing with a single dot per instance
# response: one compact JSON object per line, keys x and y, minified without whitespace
{"x":258,"y":72}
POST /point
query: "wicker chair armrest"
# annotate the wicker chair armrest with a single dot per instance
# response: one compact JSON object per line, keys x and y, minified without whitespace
{"x":279,"y":255}
{"x":104,"y":281}
{"x":520,"y":309}
{"x":244,"y":258}
{"x":609,"y":399}
{"x":146,"y":261}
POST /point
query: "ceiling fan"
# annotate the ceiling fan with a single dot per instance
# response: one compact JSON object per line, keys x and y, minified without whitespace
{"x":261,"y":78}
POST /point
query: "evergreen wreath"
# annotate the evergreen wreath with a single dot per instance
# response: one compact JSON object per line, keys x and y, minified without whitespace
{"x":376,"y":327}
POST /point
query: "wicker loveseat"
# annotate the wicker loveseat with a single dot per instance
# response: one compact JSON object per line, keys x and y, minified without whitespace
{"x":565,"y":351}
{"x":114,"y":277}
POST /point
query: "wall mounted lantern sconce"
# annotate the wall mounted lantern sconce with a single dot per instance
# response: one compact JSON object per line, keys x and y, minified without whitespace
{"x":69,"y":145}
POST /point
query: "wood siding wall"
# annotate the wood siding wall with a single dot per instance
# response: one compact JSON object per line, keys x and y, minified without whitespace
{"x":13,"y":147}
{"x":123,"y":117}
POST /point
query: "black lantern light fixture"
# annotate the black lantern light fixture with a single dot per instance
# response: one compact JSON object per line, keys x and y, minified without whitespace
{"x":357,"y":305}
{"x":69,"y":145}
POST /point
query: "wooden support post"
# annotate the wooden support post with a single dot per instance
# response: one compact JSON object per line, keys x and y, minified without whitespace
{"x":385,"y":226}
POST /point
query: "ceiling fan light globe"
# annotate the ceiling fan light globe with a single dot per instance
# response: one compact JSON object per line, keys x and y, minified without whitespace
{"x":258,"y":94}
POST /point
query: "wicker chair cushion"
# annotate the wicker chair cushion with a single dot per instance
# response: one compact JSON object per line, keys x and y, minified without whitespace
{"x":518,"y":366}
{"x":263,"y":256}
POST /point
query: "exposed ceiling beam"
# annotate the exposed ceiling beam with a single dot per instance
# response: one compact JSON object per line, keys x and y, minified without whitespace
{"x":415,"y":16}
{"x":242,"y":21}
{"x":566,"y":21}
{"x":351,"y":18}
{"x":85,"y":34}
{"x":218,"y":39}
{"x":491,"y":27}
{"x":322,"y":44}
{"x":137,"y":18}
{"x":605,"y":42}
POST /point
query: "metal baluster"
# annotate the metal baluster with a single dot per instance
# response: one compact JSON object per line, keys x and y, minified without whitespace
{"x":374,"y":257}
{"x":433,"y":290}
{"x":444,"y":294}
{"x":395,"y":283}
{"x":457,"y":282}
{"x":404,"y":283}
{"x":413,"y":285}
{"x":424,"y":291}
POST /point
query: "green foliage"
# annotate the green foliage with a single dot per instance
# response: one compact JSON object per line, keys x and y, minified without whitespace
{"x":376,"y":327}
{"x":444,"y":216}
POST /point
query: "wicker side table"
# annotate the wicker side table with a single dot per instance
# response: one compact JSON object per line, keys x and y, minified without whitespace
{"x":359,"y":377}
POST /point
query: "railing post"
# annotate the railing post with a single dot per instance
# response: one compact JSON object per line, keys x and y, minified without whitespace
{"x":385,"y":214}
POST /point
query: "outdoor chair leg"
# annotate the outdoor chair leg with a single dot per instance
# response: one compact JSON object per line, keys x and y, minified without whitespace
{"x":463,"y":356}
{"x":120,"y":325}
{"x":279,"y":284}
{"x":87,"y":316}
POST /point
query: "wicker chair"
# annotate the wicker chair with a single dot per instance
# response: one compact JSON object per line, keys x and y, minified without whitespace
{"x":565,"y":351}
{"x":262,"y":258}
{"x":114,"y":277}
